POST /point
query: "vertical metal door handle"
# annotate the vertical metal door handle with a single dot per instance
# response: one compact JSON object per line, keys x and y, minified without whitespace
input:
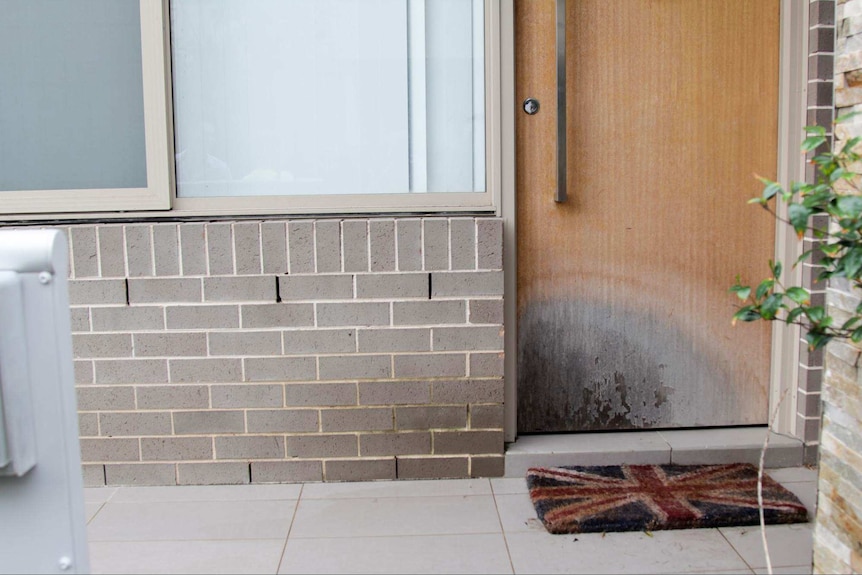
{"x":561,"y":195}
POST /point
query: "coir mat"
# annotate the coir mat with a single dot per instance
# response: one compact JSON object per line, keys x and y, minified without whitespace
{"x":654,"y":497}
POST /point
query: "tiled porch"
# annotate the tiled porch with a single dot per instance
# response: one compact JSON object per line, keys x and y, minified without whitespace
{"x":454,"y":526}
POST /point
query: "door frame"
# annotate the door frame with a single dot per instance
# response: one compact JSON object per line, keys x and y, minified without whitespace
{"x":793,"y":85}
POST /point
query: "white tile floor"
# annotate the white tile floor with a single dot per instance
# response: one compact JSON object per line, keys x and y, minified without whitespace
{"x":459,"y":526}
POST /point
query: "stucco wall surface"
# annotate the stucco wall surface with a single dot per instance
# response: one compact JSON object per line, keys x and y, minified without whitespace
{"x":293,"y":350}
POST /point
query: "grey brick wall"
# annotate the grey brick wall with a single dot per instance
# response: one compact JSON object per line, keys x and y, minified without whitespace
{"x":280,"y":351}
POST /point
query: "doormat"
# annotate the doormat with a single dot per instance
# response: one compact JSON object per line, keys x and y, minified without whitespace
{"x":654,"y":497}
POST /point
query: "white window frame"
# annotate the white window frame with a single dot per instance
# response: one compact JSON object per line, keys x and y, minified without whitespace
{"x":159,"y":199}
{"x":157,"y":133}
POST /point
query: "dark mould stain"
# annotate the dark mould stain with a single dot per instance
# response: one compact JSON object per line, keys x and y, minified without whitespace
{"x":661,"y":395}
{"x":585,"y":367}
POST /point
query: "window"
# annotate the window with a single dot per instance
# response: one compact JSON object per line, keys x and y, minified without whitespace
{"x":82,"y":106}
{"x":279,"y":106}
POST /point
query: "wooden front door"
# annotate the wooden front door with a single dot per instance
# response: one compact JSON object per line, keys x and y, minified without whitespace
{"x":623,"y":304}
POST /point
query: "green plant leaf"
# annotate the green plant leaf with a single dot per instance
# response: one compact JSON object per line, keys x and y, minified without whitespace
{"x":771,"y":190}
{"x":812,"y":142}
{"x":794,"y":315}
{"x":850,"y":144}
{"x":775,"y":268}
{"x":830,"y":249}
{"x":818,"y":188}
{"x":798,"y":215}
{"x":850,"y":263}
{"x":798,"y":295}
{"x":815,"y":314}
{"x":800,"y":187}
{"x":763,"y":288}
{"x":856,"y":336}
{"x":826,"y":161}
{"x":742,"y":292}
{"x":839,"y":174}
{"x":849,"y":206}
{"x":745,"y":314}
{"x":844,"y":117}
{"x":805,"y":255}
{"x":816,"y":340}
{"x":770,"y":306}
{"x":817,"y":200}
{"x":819,"y":130}
{"x":823,"y":276}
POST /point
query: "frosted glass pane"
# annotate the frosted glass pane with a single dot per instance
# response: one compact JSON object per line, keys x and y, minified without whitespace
{"x":71,"y":95}
{"x":309,"y":97}
{"x":449,"y":52}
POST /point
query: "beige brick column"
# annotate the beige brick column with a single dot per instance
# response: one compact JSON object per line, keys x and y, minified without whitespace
{"x":838,"y":530}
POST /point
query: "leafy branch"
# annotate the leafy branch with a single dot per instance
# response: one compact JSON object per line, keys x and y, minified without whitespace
{"x":836,"y":194}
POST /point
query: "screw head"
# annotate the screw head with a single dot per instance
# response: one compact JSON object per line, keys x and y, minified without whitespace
{"x":44,"y":278}
{"x":65,"y":563}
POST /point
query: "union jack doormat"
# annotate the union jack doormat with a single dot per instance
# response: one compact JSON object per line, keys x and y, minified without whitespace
{"x":654,"y":497}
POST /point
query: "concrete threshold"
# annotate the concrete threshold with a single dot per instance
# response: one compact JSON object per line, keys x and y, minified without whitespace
{"x":684,"y":447}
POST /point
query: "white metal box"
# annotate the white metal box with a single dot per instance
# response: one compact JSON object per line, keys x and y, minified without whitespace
{"x":43,"y":528}
{"x":17,"y":431}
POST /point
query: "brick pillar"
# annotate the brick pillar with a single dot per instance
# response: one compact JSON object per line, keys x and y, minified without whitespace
{"x":821,"y":55}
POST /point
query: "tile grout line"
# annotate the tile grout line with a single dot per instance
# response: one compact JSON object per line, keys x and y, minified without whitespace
{"x":193,"y":540}
{"x":290,"y":528}
{"x":99,"y":510}
{"x":735,"y":550}
{"x":408,"y":536}
{"x":111,"y":496}
{"x":669,"y":448}
{"x":217,"y":500}
{"x":502,"y":529}
{"x":385,"y":497}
